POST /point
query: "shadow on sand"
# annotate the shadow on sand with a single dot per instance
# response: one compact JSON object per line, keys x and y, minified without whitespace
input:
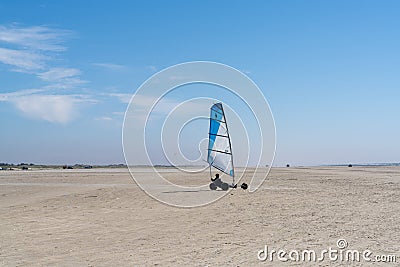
{"x":184,"y":191}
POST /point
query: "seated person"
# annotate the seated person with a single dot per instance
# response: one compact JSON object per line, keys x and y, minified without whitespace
{"x":217,"y":181}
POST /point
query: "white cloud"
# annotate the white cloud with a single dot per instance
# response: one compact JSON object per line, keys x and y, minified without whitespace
{"x":178,"y":78}
{"x":246,"y":71}
{"x":110,"y":66}
{"x":23,"y":60}
{"x":123,"y":98}
{"x":162,"y":106}
{"x":104,"y":118}
{"x":144,"y":102}
{"x":36,"y":37}
{"x":151,"y":68}
{"x":31,"y":50}
{"x":56,"y":74}
{"x":66,"y":76}
{"x":52,"y":108}
{"x":9,"y":96}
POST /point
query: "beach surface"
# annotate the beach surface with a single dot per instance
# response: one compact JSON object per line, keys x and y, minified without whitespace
{"x":100,"y":217}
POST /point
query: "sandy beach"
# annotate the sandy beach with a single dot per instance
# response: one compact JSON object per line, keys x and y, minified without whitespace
{"x":100,"y":217}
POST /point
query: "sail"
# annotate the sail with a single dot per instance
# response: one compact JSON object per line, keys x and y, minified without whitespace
{"x":219,"y":144}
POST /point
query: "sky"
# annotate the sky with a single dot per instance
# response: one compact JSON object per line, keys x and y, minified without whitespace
{"x":328,"y":69}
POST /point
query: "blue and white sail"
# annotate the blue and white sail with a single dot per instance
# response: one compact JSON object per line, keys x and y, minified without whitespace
{"x":219,"y":143}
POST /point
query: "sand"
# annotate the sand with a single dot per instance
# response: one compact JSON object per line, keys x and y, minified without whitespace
{"x":100,"y":217}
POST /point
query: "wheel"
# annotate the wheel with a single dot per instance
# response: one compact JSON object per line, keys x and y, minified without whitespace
{"x":244,"y":186}
{"x":224,"y":186}
{"x":213,"y":186}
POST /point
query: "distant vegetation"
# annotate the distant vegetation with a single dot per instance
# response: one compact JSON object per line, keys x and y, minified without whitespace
{"x":31,"y":166}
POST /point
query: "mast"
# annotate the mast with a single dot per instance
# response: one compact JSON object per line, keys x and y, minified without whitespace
{"x":230,"y":146}
{"x":209,"y":151}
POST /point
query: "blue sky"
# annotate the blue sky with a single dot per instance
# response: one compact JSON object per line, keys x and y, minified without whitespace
{"x":329,"y":70}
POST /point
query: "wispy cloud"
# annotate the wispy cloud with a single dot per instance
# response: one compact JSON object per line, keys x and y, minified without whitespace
{"x":123,"y":98}
{"x":52,"y":108}
{"x":33,"y":50}
{"x":143,"y":103}
{"x":178,"y":78}
{"x":104,"y":118}
{"x":110,"y":66}
{"x":23,"y":60}
{"x":151,"y":68}
{"x":66,"y":76}
{"x":9,"y":96}
{"x":246,"y":71}
{"x":36,"y":37}
{"x":56,"y":74}
{"x":145,"y":100}
{"x":162,"y":105}
{"x":29,"y":48}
